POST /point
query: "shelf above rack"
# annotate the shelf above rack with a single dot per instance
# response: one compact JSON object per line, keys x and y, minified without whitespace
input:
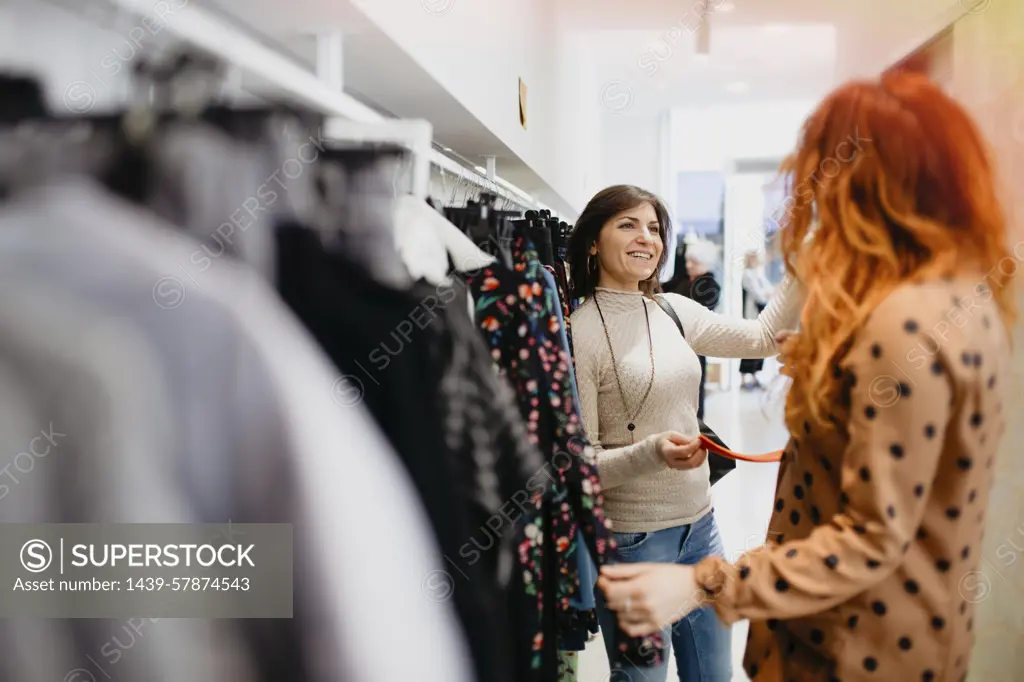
{"x":206,"y":31}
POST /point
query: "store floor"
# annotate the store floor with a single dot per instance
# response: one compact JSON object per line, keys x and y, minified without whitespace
{"x":749,"y":422}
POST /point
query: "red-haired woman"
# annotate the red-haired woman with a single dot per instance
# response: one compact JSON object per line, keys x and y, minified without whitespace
{"x":895,"y":410}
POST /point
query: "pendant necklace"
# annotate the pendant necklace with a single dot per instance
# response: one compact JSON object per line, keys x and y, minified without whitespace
{"x":631,"y":425}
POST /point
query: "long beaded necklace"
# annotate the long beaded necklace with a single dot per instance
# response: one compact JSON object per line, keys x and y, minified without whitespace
{"x":615,"y":366}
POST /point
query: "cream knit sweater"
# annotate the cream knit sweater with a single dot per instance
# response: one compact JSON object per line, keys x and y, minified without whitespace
{"x":642,"y":494}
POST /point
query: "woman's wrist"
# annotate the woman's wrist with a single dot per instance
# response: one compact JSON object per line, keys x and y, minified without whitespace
{"x":713,"y":576}
{"x":647,"y":458}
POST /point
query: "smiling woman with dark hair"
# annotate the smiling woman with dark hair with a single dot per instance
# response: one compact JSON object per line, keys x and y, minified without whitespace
{"x":638,"y":380}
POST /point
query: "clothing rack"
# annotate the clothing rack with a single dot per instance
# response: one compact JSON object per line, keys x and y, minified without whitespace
{"x":415,"y":135}
{"x":203,"y":29}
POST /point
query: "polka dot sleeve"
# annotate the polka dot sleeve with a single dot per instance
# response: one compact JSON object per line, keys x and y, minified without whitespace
{"x":895,"y":427}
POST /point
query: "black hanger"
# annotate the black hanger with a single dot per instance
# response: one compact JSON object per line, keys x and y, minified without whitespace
{"x":535,"y":228}
{"x":200,"y":73}
{"x":21,"y":97}
{"x":543,"y":242}
{"x":124,"y":173}
{"x":484,"y":226}
{"x":560,"y":238}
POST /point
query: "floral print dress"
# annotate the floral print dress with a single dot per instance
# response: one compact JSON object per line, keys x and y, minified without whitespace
{"x":520,"y":324}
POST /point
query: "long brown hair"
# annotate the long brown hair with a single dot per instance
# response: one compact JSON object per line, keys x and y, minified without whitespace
{"x":604,"y":206}
{"x":891,"y":182}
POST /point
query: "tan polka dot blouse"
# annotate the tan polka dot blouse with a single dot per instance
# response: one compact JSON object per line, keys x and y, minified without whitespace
{"x":879,"y":517}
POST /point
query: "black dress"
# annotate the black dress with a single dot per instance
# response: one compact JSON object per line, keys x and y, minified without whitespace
{"x":420,"y":367}
{"x":517,"y":314}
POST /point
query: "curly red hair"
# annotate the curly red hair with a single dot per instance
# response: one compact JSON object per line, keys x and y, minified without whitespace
{"x":891,"y":182}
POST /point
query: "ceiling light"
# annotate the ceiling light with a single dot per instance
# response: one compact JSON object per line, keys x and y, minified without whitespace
{"x":737,"y":87}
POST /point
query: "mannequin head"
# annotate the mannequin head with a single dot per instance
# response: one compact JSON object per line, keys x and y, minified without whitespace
{"x":618,"y":242}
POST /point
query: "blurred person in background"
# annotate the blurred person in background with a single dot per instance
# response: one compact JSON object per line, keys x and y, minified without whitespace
{"x":702,"y":287}
{"x":679,"y":283}
{"x":757,"y":291}
{"x":883,"y":490}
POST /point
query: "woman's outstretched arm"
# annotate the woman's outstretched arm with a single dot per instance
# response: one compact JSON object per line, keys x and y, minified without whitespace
{"x":884,"y":501}
{"x":722,"y":336}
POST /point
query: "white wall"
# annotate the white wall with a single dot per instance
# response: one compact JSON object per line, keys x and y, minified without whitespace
{"x":631,"y":148}
{"x":744,"y":231}
{"x":576,"y":144}
{"x":600,"y":144}
{"x":478,"y":51}
{"x":713,"y":137}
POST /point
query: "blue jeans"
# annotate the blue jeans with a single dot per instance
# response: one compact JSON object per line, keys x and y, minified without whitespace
{"x":703,"y":646}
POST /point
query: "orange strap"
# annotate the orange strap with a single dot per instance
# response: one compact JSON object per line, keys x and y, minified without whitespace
{"x":711,"y":446}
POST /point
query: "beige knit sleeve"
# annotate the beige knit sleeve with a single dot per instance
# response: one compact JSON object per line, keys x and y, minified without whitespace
{"x":896,"y":438}
{"x":615,"y":466}
{"x":720,"y":336}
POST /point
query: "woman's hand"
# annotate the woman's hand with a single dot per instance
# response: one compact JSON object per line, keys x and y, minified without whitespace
{"x":680,"y":452}
{"x":649,"y":597}
{"x":780,"y":341}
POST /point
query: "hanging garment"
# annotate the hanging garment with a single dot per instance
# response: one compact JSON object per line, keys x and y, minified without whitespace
{"x":560,"y":285}
{"x":201,"y":400}
{"x":582,"y":621}
{"x":575,"y":639}
{"x":91,"y":396}
{"x":228,"y":193}
{"x":358,"y":213}
{"x":520,"y":324}
{"x":424,"y":373}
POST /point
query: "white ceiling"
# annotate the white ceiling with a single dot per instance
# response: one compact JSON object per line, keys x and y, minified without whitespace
{"x":662,"y":70}
{"x":777,"y":50}
{"x":780,"y":48}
